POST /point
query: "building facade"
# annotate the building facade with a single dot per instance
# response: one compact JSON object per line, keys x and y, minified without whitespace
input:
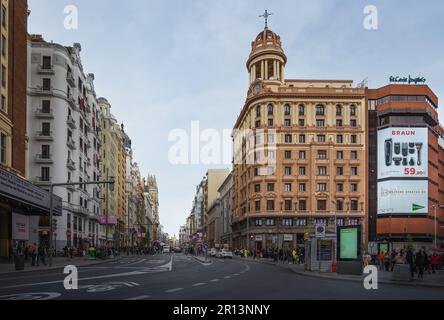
{"x":226,"y":205}
{"x":153,"y":192}
{"x":300,"y":154}
{"x":64,"y":140}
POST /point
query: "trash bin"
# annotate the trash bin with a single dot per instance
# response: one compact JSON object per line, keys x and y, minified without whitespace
{"x":19,"y":262}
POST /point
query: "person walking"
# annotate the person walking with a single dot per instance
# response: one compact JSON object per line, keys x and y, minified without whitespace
{"x":434,"y":262}
{"x":294,"y":254}
{"x":41,"y":255}
{"x":409,"y":258}
{"x":420,"y":263}
{"x":381,"y":257}
{"x":33,"y":254}
{"x":367,"y":258}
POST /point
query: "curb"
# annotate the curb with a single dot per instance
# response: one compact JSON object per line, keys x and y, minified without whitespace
{"x":59,"y":267}
{"x":325,"y":276}
{"x":202,"y":262}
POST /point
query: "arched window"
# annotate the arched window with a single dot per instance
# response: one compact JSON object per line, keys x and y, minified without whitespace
{"x":320,"y":110}
{"x":258,"y":111}
{"x":270,"y":109}
{"x":353,"y":110}
{"x":287,"y":110}
{"x":338,"y":110}
{"x":301,"y":110}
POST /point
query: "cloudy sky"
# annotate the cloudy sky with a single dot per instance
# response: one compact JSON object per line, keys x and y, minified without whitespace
{"x":164,"y":64}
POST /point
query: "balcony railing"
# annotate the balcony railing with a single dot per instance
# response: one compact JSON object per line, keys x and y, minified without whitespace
{"x":70,"y":79}
{"x":43,"y":181}
{"x":44,"y":158}
{"x":71,"y":122}
{"x":44,"y":136}
{"x":44,"y":114}
{"x":46,"y":69}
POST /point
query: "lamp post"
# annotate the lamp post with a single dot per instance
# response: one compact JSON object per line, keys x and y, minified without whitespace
{"x":435,"y":243}
{"x":65,"y":184}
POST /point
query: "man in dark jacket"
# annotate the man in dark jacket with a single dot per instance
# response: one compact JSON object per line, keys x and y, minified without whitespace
{"x":420,"y":262}
{"x":410,"y":260}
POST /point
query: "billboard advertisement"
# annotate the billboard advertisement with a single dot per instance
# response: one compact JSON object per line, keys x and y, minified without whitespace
{"x":20,"y":227}
{"x":403,"y":197}
{"x":403,"y":153}
{"x":349,"y":243}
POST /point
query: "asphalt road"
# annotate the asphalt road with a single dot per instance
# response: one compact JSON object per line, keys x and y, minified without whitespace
{"x":180,"y":277}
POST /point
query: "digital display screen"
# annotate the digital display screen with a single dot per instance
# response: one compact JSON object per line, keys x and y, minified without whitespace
{"x":349,"y":244}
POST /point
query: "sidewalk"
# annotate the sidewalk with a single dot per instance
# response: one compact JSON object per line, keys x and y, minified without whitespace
{"x":430,"y":280}
{"x":57,"y":263}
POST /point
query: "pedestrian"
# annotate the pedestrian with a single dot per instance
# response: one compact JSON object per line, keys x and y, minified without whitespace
{"x":33,"y":254}
{"x":366,"y":259}
{"x":434,"y":262}
{"x":41,"y":255}
{"x":381,"y":257}
{"x":294,"y":254}
{"x":393,"y":259}
{"x":409,"y":258}
{"x":420,"y":263}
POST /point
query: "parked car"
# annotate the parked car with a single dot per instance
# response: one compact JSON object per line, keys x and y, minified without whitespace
{"x":166,"y":249}
{"x":213,"y":252}
{"x":177,"y":250}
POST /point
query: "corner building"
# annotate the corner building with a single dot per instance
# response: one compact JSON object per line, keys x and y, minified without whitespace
{"x":317,"y":171}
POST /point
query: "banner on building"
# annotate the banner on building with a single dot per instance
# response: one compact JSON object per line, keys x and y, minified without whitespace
{"x":112,"y":220}
{"x":20,"y":227}
{"x":403,"y":153}
{"x":403,"y":197}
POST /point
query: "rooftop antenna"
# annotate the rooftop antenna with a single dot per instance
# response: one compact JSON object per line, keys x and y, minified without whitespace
{"x":363,"y":83}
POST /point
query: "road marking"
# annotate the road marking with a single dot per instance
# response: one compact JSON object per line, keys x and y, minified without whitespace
{"x":173,"y":290}
{"x":139,"y":298}
{"x":214,"y":280}
{"x":31,"y":296}
{"x":227,"y":277}
{"x":199,"y":284}
{"x":236,"y":274}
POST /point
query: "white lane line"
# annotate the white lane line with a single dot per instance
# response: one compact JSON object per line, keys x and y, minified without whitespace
{"x":199,"y":284}
{"x":139,"y":298}
{"x":227,"y":277}
{"x":236,"y":274}
{"x":173,"y":290}
{"x":214,"y":280}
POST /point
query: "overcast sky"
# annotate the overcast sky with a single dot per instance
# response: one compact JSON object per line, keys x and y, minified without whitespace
{"x":164,"y":64}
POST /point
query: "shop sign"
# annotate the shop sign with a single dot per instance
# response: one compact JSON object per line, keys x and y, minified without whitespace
{"x":288,"y":237}
{"x":20,"y":227}
{"x":408,"y":80}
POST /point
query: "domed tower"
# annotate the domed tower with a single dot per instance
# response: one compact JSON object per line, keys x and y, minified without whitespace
{"x":267,"y":58}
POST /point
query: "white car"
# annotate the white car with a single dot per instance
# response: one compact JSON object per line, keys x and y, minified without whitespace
{"x":213,"y":252}
{"x":166,"y":249}
{"x":225,"y":254}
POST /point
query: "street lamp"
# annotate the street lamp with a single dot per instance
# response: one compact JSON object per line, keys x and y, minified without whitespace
{"x":436,"y":230}
{"x":110,"y":182}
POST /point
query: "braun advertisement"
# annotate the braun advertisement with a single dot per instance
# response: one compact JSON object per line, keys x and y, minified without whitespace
{"x":402,"y":153}
{"x":403,"y":197}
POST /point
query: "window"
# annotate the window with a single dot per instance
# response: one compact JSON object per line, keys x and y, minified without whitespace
{"x":258,"y":222}
{"x":257,"y":188}
{"x":271,"y":155}
{"x":321,"y":221}
{"x":340,"y":155}
{"x":354,"y":138}
{"x":340,"y":187}
{"x":46,"y":84}
{"x":340,"y":222}
{"x":322,"y":171}
{"x":75,"y":223}
{"x":258,"y":124}
{"x":271,"y":171}
{"x":339,"y":205}
{"x":46,"y":106}
{"x":302,"y":138}
{"x":339,"y":123}
{"x":45,"y":174}
{"x":3,"y":16}
{"x":339,"y":171}
{"x":258,"y":111}
{"x":301,"y":222}
{"x":270,"y":222}
{"x":3,"y":103}
{"x":302,"y":154}
{"x":3,"y":46}
{"x":270,"y":187}
{"x":46,"y":62}
{"x":287,"y":154}
{"x":4,"y":148}
{"x":320,"y":110}
{"x":322,"y":154}
{"x":45,"y":151}
{"x":270,"y":205}
{"x":321,"y":138}
{"x":68,"y":221}
{"x":301,"y":122}
{"x":287,"y":171}
{"x":271,"y":138}
{"x":354,"y":171}
{"x":302,"y":187}
{"x":301,"y":109}
{"x":354,"y":187}
{"x":257,"y":205}
{"x":353,"y":123}
{"x":270,"y":122}
{"x":354,"y":205}
{"x":354,"y":155}
{"x":302,"y":171}
{"x":287,"y":187}
{"x":287,"y":222}
{"x":320,"y":123}
{"x":270,"y":109}
{"x":352,"y":110}
{"x":339,"y":138}
{"x":338,"y":110}
{"x":287,"y":122}
{"x":3,"y":76}
{"x":322,"y":205}
{"x":322,"y":187}
{"x":302,"y":205}
{"x":46,"y":129}
{"x":287,"y":110}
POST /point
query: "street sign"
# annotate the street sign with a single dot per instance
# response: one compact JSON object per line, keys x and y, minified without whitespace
{"x":205,"y":245}
{"x":320,"y":231}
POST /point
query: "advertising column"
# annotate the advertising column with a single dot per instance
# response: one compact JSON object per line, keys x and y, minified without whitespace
{"x":403,"y":171}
